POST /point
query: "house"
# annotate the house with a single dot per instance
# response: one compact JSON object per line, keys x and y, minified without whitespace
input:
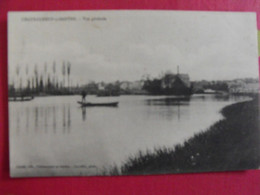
{"x":200,"y":86}
{"x":135,"y":87}
{"x":101,"y":86}
{"x":124,"y":85}
{"x":241,"y":86}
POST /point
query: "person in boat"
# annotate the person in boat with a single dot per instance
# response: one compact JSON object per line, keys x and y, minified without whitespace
{"x":83,"y":94}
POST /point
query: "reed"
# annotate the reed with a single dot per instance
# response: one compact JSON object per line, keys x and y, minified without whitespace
{"x":230,"y":144}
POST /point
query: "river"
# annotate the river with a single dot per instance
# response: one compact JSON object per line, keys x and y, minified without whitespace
{"x":53,"y":136}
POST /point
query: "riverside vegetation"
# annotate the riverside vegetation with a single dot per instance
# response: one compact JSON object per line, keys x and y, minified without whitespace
{"x":230,"y":144}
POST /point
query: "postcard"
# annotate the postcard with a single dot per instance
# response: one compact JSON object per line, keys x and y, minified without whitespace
{"x":132,"y":92}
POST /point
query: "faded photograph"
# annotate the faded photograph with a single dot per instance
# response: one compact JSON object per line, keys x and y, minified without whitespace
{"x":132,"y":92}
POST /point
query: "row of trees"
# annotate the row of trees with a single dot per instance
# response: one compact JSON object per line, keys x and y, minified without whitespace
{"x":44,"y":80}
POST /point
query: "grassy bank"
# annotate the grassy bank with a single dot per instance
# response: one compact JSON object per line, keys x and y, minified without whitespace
{"x":232,"y":143}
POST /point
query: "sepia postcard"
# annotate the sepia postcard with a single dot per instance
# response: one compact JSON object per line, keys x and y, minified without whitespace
{"x":132,"y":92}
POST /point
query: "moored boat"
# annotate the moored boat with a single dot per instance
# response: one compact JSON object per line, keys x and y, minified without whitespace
{"x":20,"y":99}
{"x":88,"y":104}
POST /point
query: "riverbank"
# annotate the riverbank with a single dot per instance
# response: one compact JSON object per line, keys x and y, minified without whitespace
{"x":230,"y":144}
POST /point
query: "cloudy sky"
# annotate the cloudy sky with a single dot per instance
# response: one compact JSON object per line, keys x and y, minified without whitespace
{"x":124,"y":45}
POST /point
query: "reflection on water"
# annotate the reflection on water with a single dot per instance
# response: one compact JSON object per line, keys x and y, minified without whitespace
{"x":68,"y":119}
{"x":27,"y":118}
{"x":43,"y":119}
{"x":36,"y":118}
{"x":84,"y":113}
{"x":18,"y":122}
{"x":168,"y":101}
{"x":172,"y":105}
{"x":55,"y":130}
{"x":54,"y":119}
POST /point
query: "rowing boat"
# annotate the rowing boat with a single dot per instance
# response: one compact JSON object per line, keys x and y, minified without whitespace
{"x":88,"y":104}
{"x":20,"y":99}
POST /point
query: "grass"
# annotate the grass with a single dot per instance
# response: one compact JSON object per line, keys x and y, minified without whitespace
{"x":232,"y":143}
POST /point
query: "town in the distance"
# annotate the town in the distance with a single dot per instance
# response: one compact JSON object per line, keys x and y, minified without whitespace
{"x":27,"y":84}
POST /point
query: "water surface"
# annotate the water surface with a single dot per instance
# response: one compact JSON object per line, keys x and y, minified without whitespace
{"x":54,"y":136}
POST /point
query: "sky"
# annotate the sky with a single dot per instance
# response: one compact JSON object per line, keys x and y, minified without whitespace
{"x":125,"y":45}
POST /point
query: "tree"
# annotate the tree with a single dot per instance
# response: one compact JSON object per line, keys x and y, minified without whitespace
{"x":63,"y":72}
{"x":17,"y":74}
{"x":153,"y":86}
{"x":68,"y":72}
{"x":36,"y":77}
{"x":54,"y":73}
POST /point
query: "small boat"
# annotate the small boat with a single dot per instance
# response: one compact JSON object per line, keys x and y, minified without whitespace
{"x":20,"y":99}
{"x":88,"y":104}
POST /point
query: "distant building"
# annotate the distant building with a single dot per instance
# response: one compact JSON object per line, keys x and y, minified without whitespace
{"x":210,"y":91}
{"x":135,"y":87}
{"x":101,"y":86}
{"x":200,"y":86}
{"x":243,"y":86}
{"x":124,"y":85}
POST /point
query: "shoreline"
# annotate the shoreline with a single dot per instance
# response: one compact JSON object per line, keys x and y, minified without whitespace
{"x":231,"y":143}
